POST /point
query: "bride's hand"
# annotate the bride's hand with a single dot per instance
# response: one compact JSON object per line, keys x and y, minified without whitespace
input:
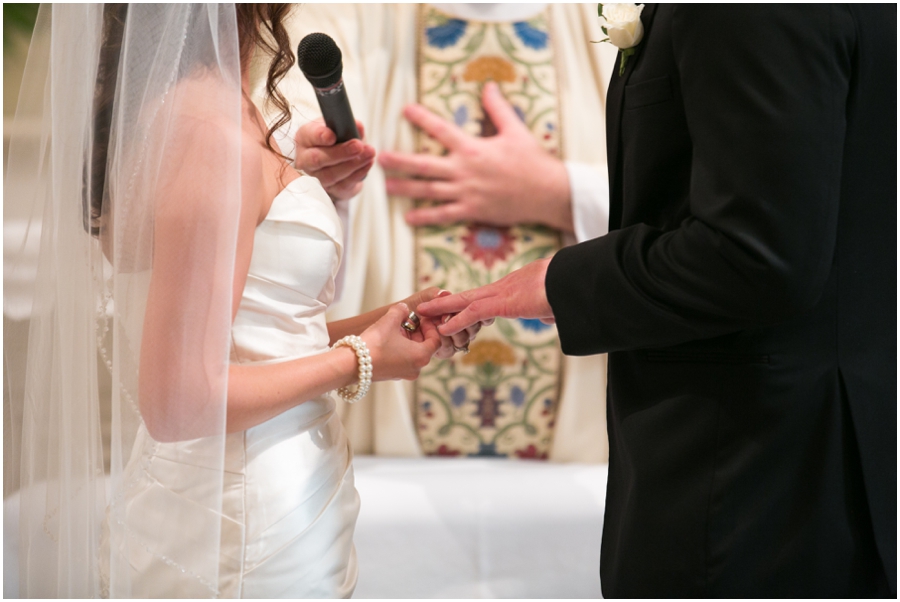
{"x":457,"y":342}
{"x":397,"y":353}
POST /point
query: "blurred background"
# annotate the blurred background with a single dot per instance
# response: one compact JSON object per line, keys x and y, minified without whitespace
{"x":18,"y":23}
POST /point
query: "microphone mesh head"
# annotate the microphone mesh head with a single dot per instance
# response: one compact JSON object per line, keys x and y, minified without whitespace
{"x":319,"y":59}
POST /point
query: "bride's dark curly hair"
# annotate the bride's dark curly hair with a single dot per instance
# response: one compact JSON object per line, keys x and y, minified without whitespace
{"x":258,"y":26}
{"x":262,"y":25}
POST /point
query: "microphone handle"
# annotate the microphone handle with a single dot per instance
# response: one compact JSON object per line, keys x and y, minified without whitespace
{"x":336,"y":111}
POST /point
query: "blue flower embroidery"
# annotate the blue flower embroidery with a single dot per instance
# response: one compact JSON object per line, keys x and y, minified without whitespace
{"x":446,"y":34}
{"x":531,"y":37}
{"x":488,"y":238}
{"x":458,"y":396}
{"x":517,"y":396}
{"x":461,"y":115}
{"x":533,"y":324}
{"x":519,"y":112}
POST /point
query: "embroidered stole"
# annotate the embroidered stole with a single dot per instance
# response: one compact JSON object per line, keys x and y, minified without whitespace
{"x":501,"y":398}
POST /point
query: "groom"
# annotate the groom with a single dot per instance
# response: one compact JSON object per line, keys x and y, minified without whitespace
{"x":747,"y":298}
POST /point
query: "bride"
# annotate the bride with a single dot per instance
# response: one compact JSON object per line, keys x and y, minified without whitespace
{"x":180,"y":248}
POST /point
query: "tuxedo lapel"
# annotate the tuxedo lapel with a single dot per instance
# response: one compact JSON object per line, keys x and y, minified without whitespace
{"x":615,"y":99}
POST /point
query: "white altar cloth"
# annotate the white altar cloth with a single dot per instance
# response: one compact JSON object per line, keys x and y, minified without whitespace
{"x":478,"y":528}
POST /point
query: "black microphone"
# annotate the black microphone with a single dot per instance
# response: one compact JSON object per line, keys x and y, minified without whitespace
{"x":319,"y":59}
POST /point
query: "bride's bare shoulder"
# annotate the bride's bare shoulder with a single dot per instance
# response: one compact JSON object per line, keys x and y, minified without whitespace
{"x":207,"y":102}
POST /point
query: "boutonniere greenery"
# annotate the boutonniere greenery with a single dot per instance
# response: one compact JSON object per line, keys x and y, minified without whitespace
{"x":622,"y":25}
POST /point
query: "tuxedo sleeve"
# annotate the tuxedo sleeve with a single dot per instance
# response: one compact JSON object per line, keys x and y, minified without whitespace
{"x":764,"y":91}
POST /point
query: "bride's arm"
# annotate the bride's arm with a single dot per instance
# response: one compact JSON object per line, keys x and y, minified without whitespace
{"x":355,"y":325}
{"x":338,"y":329}
{"x":257,"y":393}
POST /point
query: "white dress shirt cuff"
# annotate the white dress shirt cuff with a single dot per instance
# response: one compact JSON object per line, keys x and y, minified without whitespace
{"x":590,"y":200}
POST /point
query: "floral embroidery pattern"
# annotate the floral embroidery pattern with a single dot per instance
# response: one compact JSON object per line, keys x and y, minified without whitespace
{"x":457,"y":397}
{"x":493,"y":401}
{"x":516,"y":396}
{"x":534,"y":325}
{"x":483,"y":353}
{"x":461,"y":115}
{"x":488,"y":245}
{"x":443,"y":450}
{"x":446,"y":33}
{"x":530,"y":36}
{"x":489,"y":68}
{"x":531,"y":452}
{"x":488,"y":408}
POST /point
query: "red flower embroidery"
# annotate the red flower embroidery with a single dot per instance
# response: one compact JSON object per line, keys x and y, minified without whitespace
{"x":488,"y":244}
{"x":443,"y":450}
{"x":531,"y":453}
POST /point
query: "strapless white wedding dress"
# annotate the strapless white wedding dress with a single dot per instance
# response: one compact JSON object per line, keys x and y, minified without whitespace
{"x":289,"y":503}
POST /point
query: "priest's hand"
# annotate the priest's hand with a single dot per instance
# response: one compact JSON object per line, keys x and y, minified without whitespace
{"x":503,"y":180}
{"x":340,"y":168}
{"x":519,"y":294}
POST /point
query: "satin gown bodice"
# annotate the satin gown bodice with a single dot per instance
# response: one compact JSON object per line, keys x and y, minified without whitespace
{"x":296,"y":254}
{"x":289,"y":505}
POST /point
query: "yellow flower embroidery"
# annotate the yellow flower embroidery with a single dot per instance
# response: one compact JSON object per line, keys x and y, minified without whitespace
{"x":489,"y":352}
{"x":487,"y":68}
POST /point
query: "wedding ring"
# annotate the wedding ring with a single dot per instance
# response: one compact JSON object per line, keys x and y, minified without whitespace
{"x":464,"y":348}
{"x":411,"y":323}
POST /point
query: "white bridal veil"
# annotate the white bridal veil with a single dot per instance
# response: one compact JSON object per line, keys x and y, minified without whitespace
{"x":134,"y":193}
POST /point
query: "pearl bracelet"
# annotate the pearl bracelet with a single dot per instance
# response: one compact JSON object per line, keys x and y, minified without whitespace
{"x":365,"y":368}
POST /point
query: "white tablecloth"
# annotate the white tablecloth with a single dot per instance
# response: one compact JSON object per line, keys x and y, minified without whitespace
{"x":459,"y":528}
{"x":478,"y":528}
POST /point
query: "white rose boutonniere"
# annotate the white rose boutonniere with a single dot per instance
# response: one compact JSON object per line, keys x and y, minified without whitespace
{"x":622,"y":23}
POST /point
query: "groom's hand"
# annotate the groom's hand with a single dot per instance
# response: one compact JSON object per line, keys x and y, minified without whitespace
{"x":449,"y":344}
{"x":520,"y":294}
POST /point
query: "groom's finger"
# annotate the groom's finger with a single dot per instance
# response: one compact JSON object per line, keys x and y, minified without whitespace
{"x":475,"y":312}
{"x":449,"y":304}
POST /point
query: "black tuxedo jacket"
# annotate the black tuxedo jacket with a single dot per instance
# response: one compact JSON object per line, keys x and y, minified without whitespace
{"x":747,"y":297}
